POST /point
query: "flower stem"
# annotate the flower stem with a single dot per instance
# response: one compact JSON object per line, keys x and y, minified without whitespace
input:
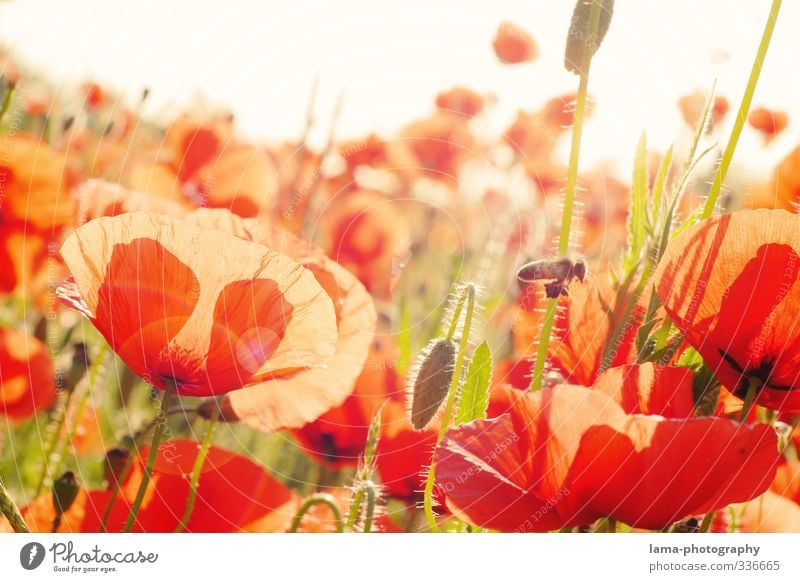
{"x":569,"y":197}
{"x":744,"y":108}
{"x":749,"y":397}
{"x":197,"y":469}
{"x":151,"y":458}
{"x":318,"y":499}
{"x":469,"y":294}
{"x":706,"y":525}
{"x":10,"y":510}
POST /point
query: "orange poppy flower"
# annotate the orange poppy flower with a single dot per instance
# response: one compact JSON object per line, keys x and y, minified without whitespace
{"x":34,"y":185}
{"x":366,"y":235}
{"x":513,"y":44}
{"x":568,"y":456}
{"x":337,"y":438}
{"x":206,"y":309}
{"x":692,"y":107}
{"x":302,"y":397}
{"x":460,"y":100}
{"x":767,"y":513}
{"x":582,"y":325}
{"x":730,"y":285}
{"x":23,"y":258}
{"x":768,"y":122}
{"x":27,"y":379}
{"x":234,"y":494}
{"x":101,"y":198}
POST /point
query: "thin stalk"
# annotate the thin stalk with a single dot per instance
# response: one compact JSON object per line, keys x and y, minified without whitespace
{"x":706,"y":525}
{"x":744,"y":108}
{"x":197,"y":469}
{"x":569,"y":197}
{"x":11,"y":511}
{"x":151,"y":458}
{"x":319,"y":499}
{"x":451,"y":399}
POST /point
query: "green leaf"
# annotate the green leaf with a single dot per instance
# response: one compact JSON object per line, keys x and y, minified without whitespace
{"x":474,"y":398}
{"x":659,"y":185}
{"x":637,"y":222}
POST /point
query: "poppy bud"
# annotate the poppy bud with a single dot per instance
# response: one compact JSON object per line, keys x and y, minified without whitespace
{"x":65,"y":490}
{"x":226,"y":413}
{"x":580,"y":37}
{"x":430,"y":382}
{"x":116,"y":461}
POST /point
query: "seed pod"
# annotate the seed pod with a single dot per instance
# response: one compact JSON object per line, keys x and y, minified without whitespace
{"x":578,"y":36}
{"x":65,"y":490}
{"x":430,"y":383}
{"x":116,"y":461}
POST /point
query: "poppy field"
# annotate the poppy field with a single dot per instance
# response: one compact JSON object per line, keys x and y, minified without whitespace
{"x":443,"y":329}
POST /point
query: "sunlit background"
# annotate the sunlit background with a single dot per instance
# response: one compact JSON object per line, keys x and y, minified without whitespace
{"x":389,"y":59}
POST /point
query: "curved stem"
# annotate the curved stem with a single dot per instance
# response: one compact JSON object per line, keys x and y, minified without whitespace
{"x":569,"y":197}
{"x":10,"y":510}
{"x":448,"y":410}
{"x":318,"y":499}
{"x":151,"y":458}
{"x":197,"y":469}
{"x":744,"y":108}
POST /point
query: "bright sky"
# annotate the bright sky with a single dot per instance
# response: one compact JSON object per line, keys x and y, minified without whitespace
{"x":259,"y":59}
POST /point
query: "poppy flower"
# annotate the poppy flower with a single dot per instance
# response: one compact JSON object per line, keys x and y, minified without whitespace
{"x":568,"y":455}
{"x":23,"y":259}
{"x":729,"y":284}
{"x":692,"y":107}
{"x":27,"y":378}
{"x":767,"y":513}
{"x":338,"y":437}
{"x":513,"y":44}
{"x":34,"y":184}
{"x":783,"y":189}
{"x":583,"y":325}
{"x":206,"y":309}
{"x":302,"y":397}
{"x":233,"y":494}
{"x":460,"y":100}
{"x":767,"y":122}
{"x":101,"y":198}
{"x":649,"y":389}
{"x":403,"y":454}
{"x":366,"y":236}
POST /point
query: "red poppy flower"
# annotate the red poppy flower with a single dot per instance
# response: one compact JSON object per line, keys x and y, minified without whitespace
{"x":23,"y":257}
{"x":569,"y":455}
{"x":460,"y":100}
{"x":204,"y":308}
{"x":649,"y":389}
{"x":337,"y":438}
{"x":233,"y":494}
{"x":768,"y":122}
{"x":512,"y":44}
{"x":403,"y":454}
{"x":730,"y":285}
{"x":293,"y":401}
{"x":27,"y":380}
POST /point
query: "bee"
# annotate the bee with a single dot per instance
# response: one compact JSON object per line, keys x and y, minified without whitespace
{"x":556,"y":273}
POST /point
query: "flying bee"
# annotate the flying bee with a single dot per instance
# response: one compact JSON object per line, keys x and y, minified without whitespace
{"x":556,"y":273}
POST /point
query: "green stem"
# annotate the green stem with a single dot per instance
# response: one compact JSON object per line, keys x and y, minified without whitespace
{"x":612,"y":525}
{"x":370,"y":514}
{"x":318,"y":499}
{"x":749,"y":397}
{"x":569,"y":197}
{"x":451,"y":399}
{"x":197,"y":469}
{"x":744,"y":108}
{"x":706,"y":525}
{"x":53,"y":432}
{"x":10,"y":510}
{"x":151,"y":458}
{"x":6,"y":100}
